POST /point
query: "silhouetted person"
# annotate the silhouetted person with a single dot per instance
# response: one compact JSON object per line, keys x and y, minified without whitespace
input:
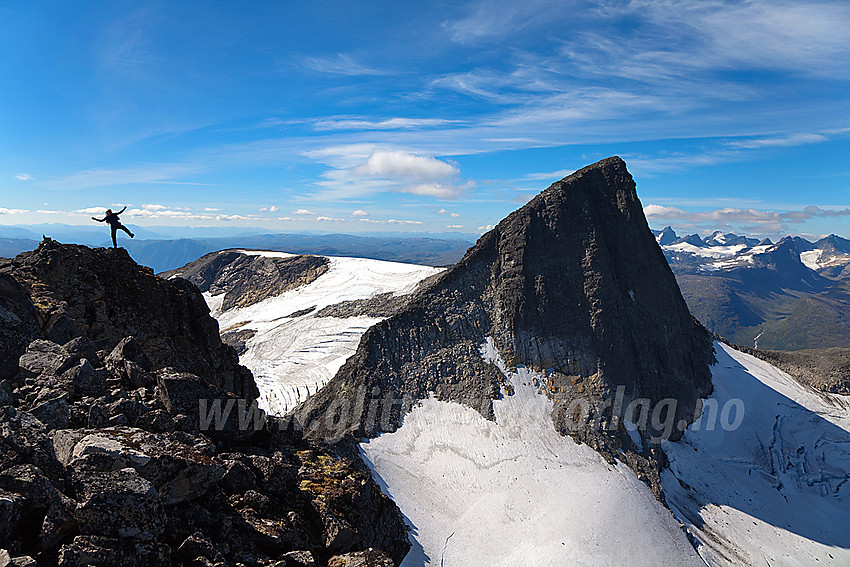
{"x":114,"y":224}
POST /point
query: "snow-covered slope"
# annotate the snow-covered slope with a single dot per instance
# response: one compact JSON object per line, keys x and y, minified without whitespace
{"x":775,"y":490}
{"x":292,"y":357}
{"x":515,"y":492}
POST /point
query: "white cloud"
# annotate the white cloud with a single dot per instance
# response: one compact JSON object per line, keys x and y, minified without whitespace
{"x":454,"y":226}
{"x":303,"y":212}
{"x":389,"y":124}
{"x":486,"y":227}
{"x":270,"y":209}
{"x":155,"y":207}
{"x":359,"y":169}
{"x":284,"y":218}
{"x":548,"y":176}
{"x":340,"y":65}
{"x":396,"y":221}
{"x":5,"y":211}
{"x":228,"y":218}
{"x":329,"y":219}
{"x":359,"y":213}
{"x":438,"y":190}
{"x":24,"y":177}
{"x":445,"y":212}
{"x":92,"y":210}
{"x":165,"y":213}
{"x":399,"y":164}
{"x":780,"y":141}
{"x":660,"y":212}
{"x":727,"y":217}
{"x":497,"y":19}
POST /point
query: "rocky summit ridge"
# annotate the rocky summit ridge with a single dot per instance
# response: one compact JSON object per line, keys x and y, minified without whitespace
{"x":573,"y":283}
{"x":107,"y":459}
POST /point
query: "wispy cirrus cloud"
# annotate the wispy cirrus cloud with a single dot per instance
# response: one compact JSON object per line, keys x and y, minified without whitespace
{"x":340,"y":64}
{"x":154,"y":174}
{"x":497,"y":19}
{"x":790,"y":140}
{"x":388,"y":124}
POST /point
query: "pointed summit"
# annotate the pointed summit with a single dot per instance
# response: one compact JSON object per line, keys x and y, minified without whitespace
{"x":667,"y":236}
{"x":573,"y":282}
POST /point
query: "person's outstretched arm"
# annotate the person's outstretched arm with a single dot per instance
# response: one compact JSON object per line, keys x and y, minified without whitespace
{"x":99,"y":220}
{"x":122,"y":210}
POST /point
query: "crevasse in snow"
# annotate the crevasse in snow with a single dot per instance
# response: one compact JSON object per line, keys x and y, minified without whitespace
{"x":775,"y":490}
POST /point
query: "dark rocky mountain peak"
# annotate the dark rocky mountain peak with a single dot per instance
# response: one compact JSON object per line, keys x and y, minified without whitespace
{"x":718,"y":238}
{"x":693,"y":239}
{"x":573,"y":282}
{"x":715,"y":238}
{"x":833,"y":243}
{"x":780,"y":268}
{"x":667,"y":236}
{"x":802,"y":244}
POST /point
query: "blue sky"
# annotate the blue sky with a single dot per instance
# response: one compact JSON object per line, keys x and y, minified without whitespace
{"x":423,"y":117}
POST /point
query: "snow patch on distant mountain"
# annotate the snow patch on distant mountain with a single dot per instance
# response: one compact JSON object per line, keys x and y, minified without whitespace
{"x":775,"y":490}
{"x":292,"y":357}
{"x":267,"y":253}
{"x":811,"y":258}
{"x":707,"y":252}
{"x":514,"y":492}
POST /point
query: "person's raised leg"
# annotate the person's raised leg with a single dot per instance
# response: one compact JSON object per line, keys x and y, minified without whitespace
{"x":127,"y":230}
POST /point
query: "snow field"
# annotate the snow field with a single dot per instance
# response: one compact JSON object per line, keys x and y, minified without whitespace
{"x":514,"y":492}
{"x":292,"y":357}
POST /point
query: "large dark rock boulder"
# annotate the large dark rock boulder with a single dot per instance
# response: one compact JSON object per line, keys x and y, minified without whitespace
{"x":118,"y":504}
{"x":573,"y":282}
{"x":99,"y":551}
{"x":19,"y":323}
{"x":178,"y":471}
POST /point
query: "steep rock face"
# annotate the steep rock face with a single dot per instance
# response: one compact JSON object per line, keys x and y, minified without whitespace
{"x":574,"y":282}
{"x":18,"y":324}
{"x":246,"y":279}
{"x":103,"y":295}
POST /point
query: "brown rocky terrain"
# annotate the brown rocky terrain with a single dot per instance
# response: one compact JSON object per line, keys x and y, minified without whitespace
{"x":106,"y":460}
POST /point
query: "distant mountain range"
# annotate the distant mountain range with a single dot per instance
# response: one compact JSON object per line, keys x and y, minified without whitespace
{"x":788,"y":295}
{"x":162,"y":254}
